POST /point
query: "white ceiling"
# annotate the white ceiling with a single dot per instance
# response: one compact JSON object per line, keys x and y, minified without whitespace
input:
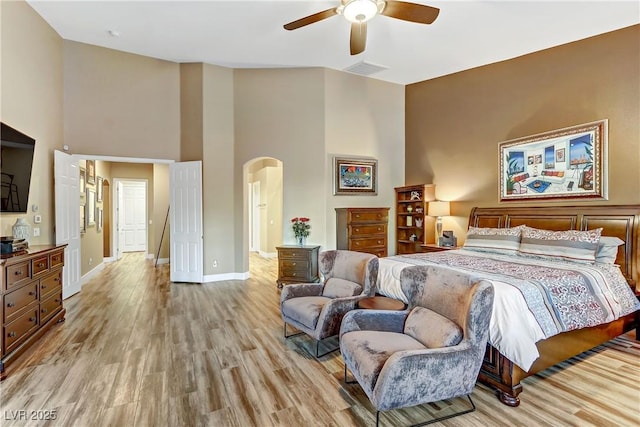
{"x":249,"y":34}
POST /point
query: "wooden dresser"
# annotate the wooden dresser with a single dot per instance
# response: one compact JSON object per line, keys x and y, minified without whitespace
{"x":297,"y":264}
{"x":31,"y":298}
{"x":363,"y":230}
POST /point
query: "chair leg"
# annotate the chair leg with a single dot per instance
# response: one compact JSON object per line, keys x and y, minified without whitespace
{"x":345,"y":376}
{"x":437,"y":420}
{"x":473,"y":408}
{"x":292,"y":335}
{"x":325,"y":353}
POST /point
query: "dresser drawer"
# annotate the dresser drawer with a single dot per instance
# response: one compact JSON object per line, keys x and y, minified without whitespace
{"x":18,"y":274}
{"x":367,"y":216}
{"x":293,"y":254}
{"x":50,"y":283}
{"x":50,"y":306}
{"x":367,"y":243}
{"x":294,"y":264}
{"x":39,"y":265}
{"x":57,"y":259}
{"x":20,"y":328}
{"x":368,"y":229}
{"x":14,"y":302}
{"x":379,"y":252}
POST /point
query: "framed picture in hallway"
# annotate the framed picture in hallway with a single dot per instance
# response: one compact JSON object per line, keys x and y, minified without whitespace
{"x":91,"y":172}
{"x":568,"y":163}
{"x":99,"y":186}
{"x":355,"y":175}
{"x":90,"y":205}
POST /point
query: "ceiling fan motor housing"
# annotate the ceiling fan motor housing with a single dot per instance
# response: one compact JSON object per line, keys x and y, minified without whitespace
{"x":359,"y":11}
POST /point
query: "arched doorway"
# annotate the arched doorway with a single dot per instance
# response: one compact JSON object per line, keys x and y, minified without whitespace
{"x":264,"y":205}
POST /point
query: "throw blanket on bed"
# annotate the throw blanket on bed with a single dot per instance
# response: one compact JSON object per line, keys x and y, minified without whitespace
{"x":560,"y":296}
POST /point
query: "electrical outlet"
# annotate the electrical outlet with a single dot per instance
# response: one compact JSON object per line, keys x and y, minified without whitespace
{"x":36,"y":231}
{"x":90,"y":260}
{"x":215,"y":263}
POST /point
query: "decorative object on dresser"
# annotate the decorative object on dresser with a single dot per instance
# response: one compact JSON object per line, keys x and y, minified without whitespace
{"x":21,"y":229}
{"x":301,"y":227}
{"x":362,"y":230}
{"x":411,"y":203}
{"x":439,"y":209}
{"x":297,"y":264}
{"x":31,"y":299}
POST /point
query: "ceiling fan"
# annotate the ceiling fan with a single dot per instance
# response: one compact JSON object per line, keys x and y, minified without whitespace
{"x":358,"y":12}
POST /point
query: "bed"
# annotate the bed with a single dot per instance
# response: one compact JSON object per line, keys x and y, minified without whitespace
{"x":536,"y":345}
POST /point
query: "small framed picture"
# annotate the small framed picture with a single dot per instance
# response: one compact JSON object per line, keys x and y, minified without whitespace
{"x":355,"y":176}
{"x":83,"y":181}
{"x":99,"y":185}
{"x":91,"y":172}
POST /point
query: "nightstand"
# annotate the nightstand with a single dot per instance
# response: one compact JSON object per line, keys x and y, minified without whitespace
{"x":297,"y":264}
{"x":432,"y":247}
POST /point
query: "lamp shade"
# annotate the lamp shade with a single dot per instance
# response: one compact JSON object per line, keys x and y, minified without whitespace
{"x":439,"y":208}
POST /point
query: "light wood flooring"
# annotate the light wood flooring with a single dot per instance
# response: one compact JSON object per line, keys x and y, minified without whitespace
{"x":138,"y":350}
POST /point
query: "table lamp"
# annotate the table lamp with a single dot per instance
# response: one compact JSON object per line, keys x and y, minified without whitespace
{"x":439,"y":209}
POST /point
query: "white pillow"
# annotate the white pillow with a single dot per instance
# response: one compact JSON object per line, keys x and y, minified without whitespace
{"x":608,"y":249}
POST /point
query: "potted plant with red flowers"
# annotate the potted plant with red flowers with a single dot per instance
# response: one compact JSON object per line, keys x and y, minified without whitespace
{"x":301,"y":229}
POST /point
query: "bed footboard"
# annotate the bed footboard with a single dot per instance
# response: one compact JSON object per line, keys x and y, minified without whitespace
{"x":503,"y":375}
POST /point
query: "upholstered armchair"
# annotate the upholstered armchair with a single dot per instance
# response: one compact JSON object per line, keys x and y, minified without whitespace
{"x":431,"y":351}
{"x":316,"y":309}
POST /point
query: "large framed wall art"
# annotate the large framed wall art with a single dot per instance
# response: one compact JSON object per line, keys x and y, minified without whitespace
{"x":569,"y":163}
{"x":355,"y":175}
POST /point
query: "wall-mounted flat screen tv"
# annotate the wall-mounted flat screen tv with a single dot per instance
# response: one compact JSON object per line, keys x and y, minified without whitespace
{"x":16,"y":161}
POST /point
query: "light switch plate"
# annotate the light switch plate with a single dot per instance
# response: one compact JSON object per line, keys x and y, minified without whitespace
{"x":37,"y":219}
{"x":36,"y":231}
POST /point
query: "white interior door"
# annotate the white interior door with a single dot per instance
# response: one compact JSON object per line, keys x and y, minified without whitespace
{"x":67,"y":208}
{"x":186,"y":222}
{"x":133,"y":216}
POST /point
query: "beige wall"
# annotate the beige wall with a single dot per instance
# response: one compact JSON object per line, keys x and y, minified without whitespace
{"x":92,"y":240}
{"x":120,"y":104}
{"x":454,"y":123}
{"x":364,"y":117}
{"x":31,"y":94}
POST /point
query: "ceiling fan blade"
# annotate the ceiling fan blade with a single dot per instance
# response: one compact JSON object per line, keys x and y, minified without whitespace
{"x":412,"y":12}
{"x":358,"y":37}
{"x":310,"y":19}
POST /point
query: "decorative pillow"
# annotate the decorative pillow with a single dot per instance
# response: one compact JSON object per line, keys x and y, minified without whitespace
{"x":432,"y":329}
{"x":572,"y":245}
{"x":499,"y":240}
{"x":608,"y":249}
{"x":340,"y":288}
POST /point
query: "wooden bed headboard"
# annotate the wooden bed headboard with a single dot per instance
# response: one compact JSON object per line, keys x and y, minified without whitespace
{"x":622,"y":221}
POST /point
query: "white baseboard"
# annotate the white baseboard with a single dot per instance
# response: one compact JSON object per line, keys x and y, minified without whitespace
{"x":149,"y":256}
{"x":97,"y":269}
{"x":227,"y":276}
{"x":163,"y":261}
{"x":109,"y":259}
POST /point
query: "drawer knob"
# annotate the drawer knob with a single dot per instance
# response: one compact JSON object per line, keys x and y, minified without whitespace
{"x":293,"y":274}
{"x":41,"y":264}
{"x":357,"y":230}
{"x":379,"y":228}
{"x":18,"y":273}
{"x":32,"y":293}
{"x":56,"y":300}
{"x":11,"y":304}
{"x":43,"y":286}
{"x":32,"y":319}
{"x":293,"y":254}
{"x":44,"y":310}
{"x":294,"y":263}
{"x":11,"y":334}
{"x":57,"y":279}
{"x":379,"y":242}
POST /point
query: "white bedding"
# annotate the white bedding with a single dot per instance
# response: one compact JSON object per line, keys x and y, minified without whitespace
{"x":514,"y":330}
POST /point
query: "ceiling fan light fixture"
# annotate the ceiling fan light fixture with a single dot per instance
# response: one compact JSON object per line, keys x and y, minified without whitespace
{"x":359,"y":11}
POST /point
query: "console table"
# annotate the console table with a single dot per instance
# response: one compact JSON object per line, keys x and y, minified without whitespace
{"x":31,"y":295}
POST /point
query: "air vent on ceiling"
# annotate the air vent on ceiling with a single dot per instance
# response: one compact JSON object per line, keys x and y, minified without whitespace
{"x":365,"y":68}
